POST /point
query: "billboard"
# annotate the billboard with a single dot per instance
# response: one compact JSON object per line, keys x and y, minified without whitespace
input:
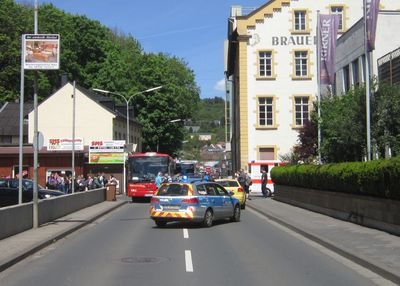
{"x":41,"y":52}
{"x":64,"y":144}
{"x":107,"y":152}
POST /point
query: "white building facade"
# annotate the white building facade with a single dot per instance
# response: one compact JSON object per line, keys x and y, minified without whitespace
{"x":271,"y":72}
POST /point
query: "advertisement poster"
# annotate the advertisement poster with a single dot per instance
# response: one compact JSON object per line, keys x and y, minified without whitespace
{"x":41,"y":52}
{"x":64,"y":144}
{"x":107,"y":152}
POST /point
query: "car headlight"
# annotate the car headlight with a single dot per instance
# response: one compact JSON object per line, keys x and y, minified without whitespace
{"x":47,"y":196}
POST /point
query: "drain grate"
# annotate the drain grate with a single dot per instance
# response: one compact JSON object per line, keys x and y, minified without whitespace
{"x":145,"y":260}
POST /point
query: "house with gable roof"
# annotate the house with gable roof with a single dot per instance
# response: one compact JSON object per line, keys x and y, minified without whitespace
{"x":10,"y":121}
{"x":97,"y":117}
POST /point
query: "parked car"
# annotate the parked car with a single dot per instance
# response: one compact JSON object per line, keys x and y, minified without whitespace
{"x":234,"y":186}
{"x":9,"y":191}
{"x":197,"y":201}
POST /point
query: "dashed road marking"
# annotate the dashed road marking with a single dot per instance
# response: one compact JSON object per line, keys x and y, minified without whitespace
{"x":185,"y":233}
{"x":188,"y":261}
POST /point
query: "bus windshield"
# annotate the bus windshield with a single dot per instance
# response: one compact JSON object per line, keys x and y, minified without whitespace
{"x":186,"y":167}
{"x":146,"y":168}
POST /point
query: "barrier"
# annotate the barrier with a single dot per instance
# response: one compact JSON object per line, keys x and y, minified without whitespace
{"x":19,"y":218}
{"x":378,"y":213}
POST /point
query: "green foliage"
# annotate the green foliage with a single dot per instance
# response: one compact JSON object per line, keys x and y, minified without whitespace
{"x":343,"y":126}
{"x":14,"y":21}
{"x":306,"y":149}
{"x":374,"y":178}
{"x":211,"y":118}
{"x":178,"y":99}
{"x":386,"y":119}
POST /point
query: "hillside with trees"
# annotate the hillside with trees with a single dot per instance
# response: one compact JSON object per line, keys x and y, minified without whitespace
{"x":211,"y":117}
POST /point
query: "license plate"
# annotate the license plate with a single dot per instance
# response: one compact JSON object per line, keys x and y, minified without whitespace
{"x":148,"y":195}
{"x":171,"y":208}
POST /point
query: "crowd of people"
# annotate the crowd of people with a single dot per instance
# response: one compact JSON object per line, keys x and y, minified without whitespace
{"x":179,"y":177}
{"x":64,"y":183}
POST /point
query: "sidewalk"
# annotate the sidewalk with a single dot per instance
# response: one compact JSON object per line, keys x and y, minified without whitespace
{"x":373,"y":249}
{"x":17,"y":247}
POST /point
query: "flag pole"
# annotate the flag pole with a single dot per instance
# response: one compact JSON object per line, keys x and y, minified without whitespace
{"x":319,"y":89}
{"x":367,"y":85}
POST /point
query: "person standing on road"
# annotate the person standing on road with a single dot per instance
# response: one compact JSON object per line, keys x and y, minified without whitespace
{"x":245,"y":181}
{"x":159,"y":179}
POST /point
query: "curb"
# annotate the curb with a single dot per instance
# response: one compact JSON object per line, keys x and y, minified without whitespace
{"x":378,"y":269}
{"x":52,"y":239}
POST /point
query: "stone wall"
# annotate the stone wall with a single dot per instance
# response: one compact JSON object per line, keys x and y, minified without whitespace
{"x":382,"y":214}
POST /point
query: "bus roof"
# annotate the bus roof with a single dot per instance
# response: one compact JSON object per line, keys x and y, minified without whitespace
{"x":149,"y":154}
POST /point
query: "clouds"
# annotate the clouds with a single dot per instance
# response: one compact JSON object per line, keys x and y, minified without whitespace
{"x":220,"y":85}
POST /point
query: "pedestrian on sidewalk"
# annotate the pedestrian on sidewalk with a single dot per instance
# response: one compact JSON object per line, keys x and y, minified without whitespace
{"x":264,"y":181}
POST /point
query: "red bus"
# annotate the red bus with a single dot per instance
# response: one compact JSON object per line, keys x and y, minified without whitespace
{"x":142,"y":169}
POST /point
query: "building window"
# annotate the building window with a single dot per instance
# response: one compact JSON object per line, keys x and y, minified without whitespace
{"x":265,"y":63}
{"x":301,"y":107}
{"x":266,"y":111}
{"x":266,"y":154}
{"x":346,"y":78}
{"x":355,"y":72}
{"x":338,"y":10}
{"x":301,"y":63}
{"x":300,"y":21}
{"x":5,"y":139}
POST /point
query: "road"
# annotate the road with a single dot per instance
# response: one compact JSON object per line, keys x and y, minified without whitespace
{"x":125,"y":248}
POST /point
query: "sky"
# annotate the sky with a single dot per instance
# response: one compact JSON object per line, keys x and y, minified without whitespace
{"x":192,"y":30}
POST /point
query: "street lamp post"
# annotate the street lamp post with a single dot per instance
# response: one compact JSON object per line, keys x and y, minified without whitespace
{"x":127,"y":100}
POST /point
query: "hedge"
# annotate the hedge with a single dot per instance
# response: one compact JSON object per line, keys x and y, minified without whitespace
{"x":380,"y":178}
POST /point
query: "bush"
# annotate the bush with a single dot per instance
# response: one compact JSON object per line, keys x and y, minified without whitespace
{"x":378,"y":178}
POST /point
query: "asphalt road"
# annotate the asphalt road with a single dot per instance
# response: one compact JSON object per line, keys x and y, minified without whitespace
{"x":125,"y":248}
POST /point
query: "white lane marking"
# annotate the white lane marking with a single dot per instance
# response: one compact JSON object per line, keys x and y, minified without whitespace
{"x":188,"y":261}
{"x":185,"y":233}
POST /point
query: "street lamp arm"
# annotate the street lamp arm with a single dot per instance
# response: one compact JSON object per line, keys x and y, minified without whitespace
{"x":144,"y":91}
{"x":123,"y":96}
{"x":127,"y":99}
{"x":106,"y":91}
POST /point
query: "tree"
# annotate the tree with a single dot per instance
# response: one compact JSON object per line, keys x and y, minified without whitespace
{"x":14,"y":21}
{"x":306,"y":149}
{"x":343,"y":126}
{"x":178,"y":99}
{"x":386,"y":119}
{"x":96,"y":56}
